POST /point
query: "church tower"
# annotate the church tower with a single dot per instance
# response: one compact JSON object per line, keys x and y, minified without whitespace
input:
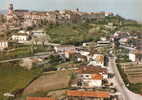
{"x":10,"y":8}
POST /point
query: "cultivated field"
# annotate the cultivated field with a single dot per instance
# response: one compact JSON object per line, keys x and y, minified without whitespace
{"x":134,"y":72}
{"x":49,"y":81}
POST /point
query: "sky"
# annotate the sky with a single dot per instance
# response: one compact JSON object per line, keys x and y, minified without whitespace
{"x":127,"y":8}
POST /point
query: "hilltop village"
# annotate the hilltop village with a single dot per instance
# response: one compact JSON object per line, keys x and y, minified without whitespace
{"x":69,"y":55}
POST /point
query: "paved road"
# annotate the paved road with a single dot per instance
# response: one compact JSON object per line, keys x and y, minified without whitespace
{"x":16,"y":59}
{"x":118,"y":82}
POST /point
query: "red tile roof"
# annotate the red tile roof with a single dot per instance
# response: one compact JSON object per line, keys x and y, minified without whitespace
{"x":97,"y":94}
{"x":39,"y":98}
{"x":138,"y":51}
{"x":91,"y":70}
{"x":96,"y":76}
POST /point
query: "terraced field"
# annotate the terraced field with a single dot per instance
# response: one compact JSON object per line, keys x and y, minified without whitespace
{"x":133,"y":71}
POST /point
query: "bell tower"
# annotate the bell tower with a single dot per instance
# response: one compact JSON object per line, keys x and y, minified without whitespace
{"x":10,"y":8}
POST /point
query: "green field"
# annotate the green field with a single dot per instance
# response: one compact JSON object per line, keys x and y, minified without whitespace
{"x":69,"y":34}
{"x":73,"y":33}
{"x":90,"y":30}
{"x":12,"y":78}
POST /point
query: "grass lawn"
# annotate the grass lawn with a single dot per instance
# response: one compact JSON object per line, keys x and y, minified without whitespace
{"x":13,"y":77}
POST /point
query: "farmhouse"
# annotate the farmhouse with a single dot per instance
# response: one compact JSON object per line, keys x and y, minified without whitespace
{"x":90,"y":77}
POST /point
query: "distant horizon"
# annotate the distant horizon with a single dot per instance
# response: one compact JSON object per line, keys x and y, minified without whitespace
{"x":129,"y":9}
{"x":5,"y":10}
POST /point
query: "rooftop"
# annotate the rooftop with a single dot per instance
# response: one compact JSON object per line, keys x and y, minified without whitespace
{"x":20,"y":34}
{"x":91,"y":70}
{"x":97,"y":94}
{"x":39,"y":98}
{"x":96,"y":76}
{"x":138,"y":51}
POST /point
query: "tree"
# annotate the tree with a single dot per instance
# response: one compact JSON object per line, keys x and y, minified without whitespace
{"x":44,"y":38}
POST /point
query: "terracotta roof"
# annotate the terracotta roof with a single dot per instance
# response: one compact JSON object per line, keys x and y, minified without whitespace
{"x":91,"y":70}
{"x":96,"y":76}
{"x":138,"y":51}
{"x":70,"y":51}
{"x":39,"y":98}
{"x":98,"y":94}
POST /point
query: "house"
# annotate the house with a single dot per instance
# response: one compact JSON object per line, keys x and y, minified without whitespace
{"x":39,"y":98}
{"x":28,"y":63}
{"x":109,"y":14}
{"x":68,"y":53}
{"x":34,"y":18}
{"x":103,"y":43}
{"x":20,"y":38}
{"x":123,"y":41}
{"x":97,"y":60}
{"x":78,"y":57}
{"x":38,"y":33}
{"x":84,"y":53}
{"x":6,"y":44}
{"x":85,"y":95}
{"x":91,"y":80}
{"x":52,"y":17}
{"x":135,"y":56}
{"x":90,"y":77}
{"x":93,"y":15}
{"x":3,"y":44}
{"x":64,"y":48}
{"x":93,"y":70}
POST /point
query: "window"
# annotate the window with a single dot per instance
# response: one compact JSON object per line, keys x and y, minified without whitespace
{"x":81,"y":76}
{"x":87,"y":76}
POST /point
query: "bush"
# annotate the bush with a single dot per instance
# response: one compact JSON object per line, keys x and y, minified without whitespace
{"x":50,"y":69}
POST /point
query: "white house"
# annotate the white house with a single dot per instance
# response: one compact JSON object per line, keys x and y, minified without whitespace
{"x":135,"y":56}
{"x":132,"y":56}
{"x":20,"y":38}
{"x":92,"y":76}
{"x":3,"y":44}
{"x":64,"y":48}
{"x":103,"y":43}
{"x":38,"y":33}
{"x":108,"y":14}
{"x":123,"y":40}
{"x":84,"y":53}
{"x":91,"y":80}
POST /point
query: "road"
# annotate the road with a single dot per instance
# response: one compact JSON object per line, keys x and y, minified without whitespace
{"x":119,"y":84}
{"x":16,"y":59}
